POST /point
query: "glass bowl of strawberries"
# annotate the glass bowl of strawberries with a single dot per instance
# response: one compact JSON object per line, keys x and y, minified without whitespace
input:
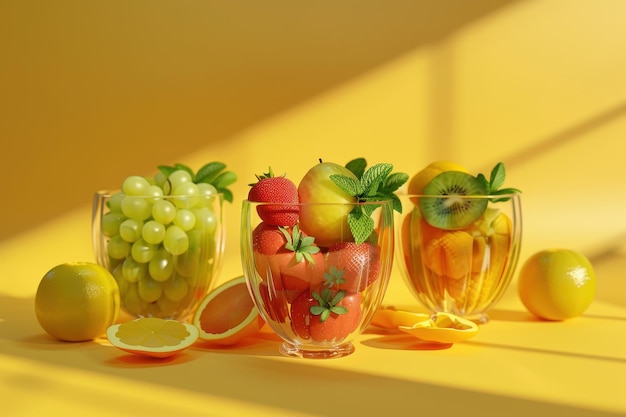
{"x":317,"y":260}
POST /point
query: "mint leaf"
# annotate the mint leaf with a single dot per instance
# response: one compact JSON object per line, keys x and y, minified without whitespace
{"x":208,"y":172}
{"x":357,"y":167}
{"x":496,"y":180}
{"x":348,"y":185}
{"x":375,"y":176}
{"x":497,"y":176}
{"x":361,"y":225}
{"x":377,"y":183}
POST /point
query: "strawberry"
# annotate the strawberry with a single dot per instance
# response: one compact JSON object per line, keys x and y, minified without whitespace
{"x":268,"y":239}
{"x":352,"y":266}
{"x":287,"y":256}
{"x":325,"y":316}
{"x":271,"y":189}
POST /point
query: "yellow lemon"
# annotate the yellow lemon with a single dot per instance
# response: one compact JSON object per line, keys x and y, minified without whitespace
{"x":423,"y":177}
{"x":77,"y":301}
{"x":227,"y":315}
{"x":151,"y":336}
{"x":557,"y":284}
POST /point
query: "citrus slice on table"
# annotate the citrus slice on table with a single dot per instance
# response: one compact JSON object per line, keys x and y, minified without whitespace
{"x":440,"y":328}
{"x":227,"y":314}
{"x":151,"y":336}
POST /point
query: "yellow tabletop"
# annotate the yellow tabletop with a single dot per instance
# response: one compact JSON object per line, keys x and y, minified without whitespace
{"x":514,"y":364}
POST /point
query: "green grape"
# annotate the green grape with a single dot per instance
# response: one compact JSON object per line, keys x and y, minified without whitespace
{"x":138,"y":208}
{"x":118,"y":274}
{"x":160,"y":179}
{"x":118,"y":248}
{"x":176,"y":240}
{"x":153,"y":232}
{"x":163,"y":211}
{"x":135,"y":185}
{"x":130,"y":230}
{"x":133,"y":271}
{"x":149,"y":290}
{"x":110,"y":223}
{"x":161,"y":266}
{"x":207,"y":194}
{"x":155,"y":192}
{"x":142,"y":251}
{"x":206,"y":220}
{"x":132,"y":300}
{"x":176,"y":288}
{"x":178,"y":177}
{"x":167,"y":307}
{"x":185,"y":219}
{"x":115,"y":202}
{"x":185,"y":195}
{"x":187,"y":264}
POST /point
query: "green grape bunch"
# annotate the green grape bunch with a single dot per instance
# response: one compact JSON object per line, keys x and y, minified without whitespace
{"x":163,"y":237}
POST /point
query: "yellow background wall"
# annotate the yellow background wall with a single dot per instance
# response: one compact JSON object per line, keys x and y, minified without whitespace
{"x":93,"y":91}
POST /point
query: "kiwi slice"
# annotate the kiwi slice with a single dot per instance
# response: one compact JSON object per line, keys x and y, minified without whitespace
{"x":443,"y":206}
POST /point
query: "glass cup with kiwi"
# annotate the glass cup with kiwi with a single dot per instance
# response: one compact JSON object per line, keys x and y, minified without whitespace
{"x":459,"y":243}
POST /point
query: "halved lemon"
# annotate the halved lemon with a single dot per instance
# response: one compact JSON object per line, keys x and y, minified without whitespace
{"x":227,"y":314}
{"x":151,"y":336}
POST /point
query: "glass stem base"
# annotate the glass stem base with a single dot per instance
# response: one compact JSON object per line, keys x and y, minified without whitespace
{"x":339,"y":351}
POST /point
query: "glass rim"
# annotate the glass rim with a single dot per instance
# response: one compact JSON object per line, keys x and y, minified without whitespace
{"x":346,"y":203}
{"x":111,"y":193}
{"x":477,"y":196}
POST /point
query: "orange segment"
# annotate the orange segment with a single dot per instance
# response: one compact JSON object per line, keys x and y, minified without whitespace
{"x":227,"y":315}
{"x":450,"y":255}
{"x":151,"y":336}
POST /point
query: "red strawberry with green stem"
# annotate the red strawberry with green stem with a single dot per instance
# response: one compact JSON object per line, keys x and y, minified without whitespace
{"x":292,"y":261}
{"x":272,"y":189}
{"x":352,"y":266}
{"x":326,"y":315}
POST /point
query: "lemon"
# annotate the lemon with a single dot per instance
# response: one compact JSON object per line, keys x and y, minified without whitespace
{"x":77,"y":301}
{"x":557,"y":284}
{"x":424,"y":176}
{"x":227,"y":315}
{"x":151,"y":336}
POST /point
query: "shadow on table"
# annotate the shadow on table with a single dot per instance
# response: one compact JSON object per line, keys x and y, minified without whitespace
{"x":254,"y":373}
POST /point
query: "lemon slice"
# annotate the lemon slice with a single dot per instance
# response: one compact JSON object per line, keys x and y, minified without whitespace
{"x":151,"y":336}
{"x":443,"y":328}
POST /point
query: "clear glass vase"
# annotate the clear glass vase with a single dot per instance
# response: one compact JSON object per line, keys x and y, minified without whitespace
{"x":317,"y":303}
{"x":164,"y":265}
{"x":461,"y":270}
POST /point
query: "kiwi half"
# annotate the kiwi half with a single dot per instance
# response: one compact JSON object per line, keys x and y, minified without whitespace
{"x":442,"y":206}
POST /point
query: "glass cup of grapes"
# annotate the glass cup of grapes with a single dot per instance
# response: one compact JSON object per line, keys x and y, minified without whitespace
{"x":317,"y":281}
{"x":458,"y":242}
{"x":162,"y":238}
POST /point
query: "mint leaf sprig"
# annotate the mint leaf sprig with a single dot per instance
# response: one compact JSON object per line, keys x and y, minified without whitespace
{"x":212,"y":173}
{"x":496,"y":180}
{"x":376,"y":183}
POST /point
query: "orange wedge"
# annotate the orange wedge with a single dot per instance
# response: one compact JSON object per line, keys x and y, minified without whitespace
{"x":227,"y":315}
{"x":151,"y":336}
